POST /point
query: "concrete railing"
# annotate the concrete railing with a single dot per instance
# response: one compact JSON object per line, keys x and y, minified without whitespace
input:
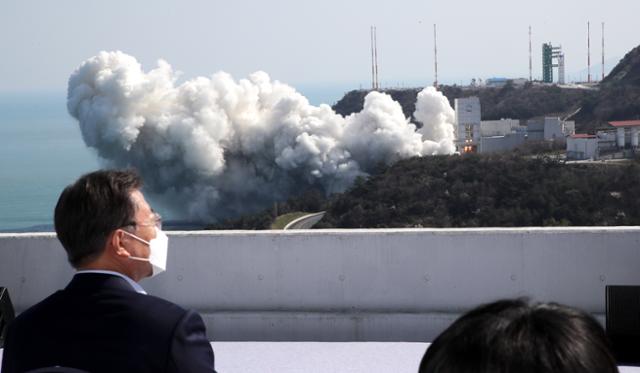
{"x":353,"y":285}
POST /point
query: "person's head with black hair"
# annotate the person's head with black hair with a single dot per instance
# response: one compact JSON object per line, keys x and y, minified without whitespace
{"x":104,"y":223}
{"x":91,"y":209}
{"x":513,"y":336}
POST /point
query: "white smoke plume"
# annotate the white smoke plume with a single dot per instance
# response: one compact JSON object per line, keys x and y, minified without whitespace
{"x":216,"y":147}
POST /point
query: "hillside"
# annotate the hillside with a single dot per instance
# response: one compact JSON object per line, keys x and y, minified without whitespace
{"x":619,"y":95}
{"x":496,"y":190}
{"x":618,"y":98}
{"x":506,"y":102}
{"x":489,"y":191}
{"x":476,"y":191}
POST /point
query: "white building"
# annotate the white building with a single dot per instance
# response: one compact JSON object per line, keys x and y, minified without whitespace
{"x":556,"y":129}
{"x":507,"y":142}
{"x":474,"y":135}
{"x":502,"y":127}
{"x":467,"y":124}
{"x":582,"y":146}
{"x":552,"y":128}
{"x":619,"y":142}
{"x":501,"y":135}
{"x":535,"y":130}
{"x":549,"y":128}
{"x":607,"y":142}
{"x":569,"y":127}
{"x":627,"y":133}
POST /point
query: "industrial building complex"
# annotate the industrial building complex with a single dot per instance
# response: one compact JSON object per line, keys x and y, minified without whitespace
{"x":619,"y":140}
{"x":474,"y":135}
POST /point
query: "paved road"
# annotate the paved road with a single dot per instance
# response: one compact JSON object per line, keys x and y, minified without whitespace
{"x":306,"y":221}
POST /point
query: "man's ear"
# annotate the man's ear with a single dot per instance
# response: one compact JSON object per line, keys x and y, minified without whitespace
{"x":115,"y":244}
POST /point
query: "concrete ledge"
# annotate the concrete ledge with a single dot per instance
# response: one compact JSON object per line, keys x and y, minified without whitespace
{"x":318,"y":357}
{"x":326,"y":326}
{"x":390,"y":284}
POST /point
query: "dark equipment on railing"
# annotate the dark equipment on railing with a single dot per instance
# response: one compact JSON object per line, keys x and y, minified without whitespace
{"x":623,"y":322}
{"x":6,"y":313}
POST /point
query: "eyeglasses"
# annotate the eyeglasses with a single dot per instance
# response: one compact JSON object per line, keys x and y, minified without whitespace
{"x":157,"y":221}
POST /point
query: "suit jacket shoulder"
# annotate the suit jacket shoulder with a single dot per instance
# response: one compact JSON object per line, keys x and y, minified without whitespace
{"x":98,"y":323}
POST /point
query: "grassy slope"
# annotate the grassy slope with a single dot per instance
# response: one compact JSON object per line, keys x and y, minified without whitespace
{"x":282,"y":220}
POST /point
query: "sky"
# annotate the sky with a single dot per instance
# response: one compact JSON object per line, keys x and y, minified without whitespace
{"x":309,"y":43}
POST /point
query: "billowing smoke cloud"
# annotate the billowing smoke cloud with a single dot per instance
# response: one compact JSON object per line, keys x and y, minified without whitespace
{"x":215,"y":147}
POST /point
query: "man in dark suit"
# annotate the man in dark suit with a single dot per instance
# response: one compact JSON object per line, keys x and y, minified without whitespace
{"x":103,"y":321}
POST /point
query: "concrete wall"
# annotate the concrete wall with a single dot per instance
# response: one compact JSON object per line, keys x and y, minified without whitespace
{"x":501,"y":143}
{"x":500,"y":127}
{"x":351,"y":285}
{"x":535,"y":130}
{"x":553,"y":129}
{"x":582,"y":148}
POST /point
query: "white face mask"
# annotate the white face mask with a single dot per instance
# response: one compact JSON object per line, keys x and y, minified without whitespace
{"x":159,"y":247}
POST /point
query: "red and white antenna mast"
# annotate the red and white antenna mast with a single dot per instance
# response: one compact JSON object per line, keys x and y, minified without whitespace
{"x":588,"y":52}
{"x":373,"y":68}
{"x":530,"y":63}
{"x":435,"y":55}
{"x":375,"y":50}
{"x":602,"y":50}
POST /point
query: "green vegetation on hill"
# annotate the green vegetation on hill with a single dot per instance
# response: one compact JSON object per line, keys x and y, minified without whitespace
{"x":477,"y":191}
{"x":526,"y":102}
{"x":618,"y":97}
{"x":497,"y":103}
{"x":489,"y":191}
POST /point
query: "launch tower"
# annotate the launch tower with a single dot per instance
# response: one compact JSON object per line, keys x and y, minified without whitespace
{"x":551,"y":54}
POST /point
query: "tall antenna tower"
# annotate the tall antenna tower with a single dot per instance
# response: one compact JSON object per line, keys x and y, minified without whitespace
{"x":588,"y":52}
{"x":373,"y":68}
{"x":602,"y":50}
{"x":530,"y":63}
{"x":375,"y":50}
{"x":435,"y":55}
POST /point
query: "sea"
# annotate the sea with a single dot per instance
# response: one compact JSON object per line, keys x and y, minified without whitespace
{"x":42,"y":151}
